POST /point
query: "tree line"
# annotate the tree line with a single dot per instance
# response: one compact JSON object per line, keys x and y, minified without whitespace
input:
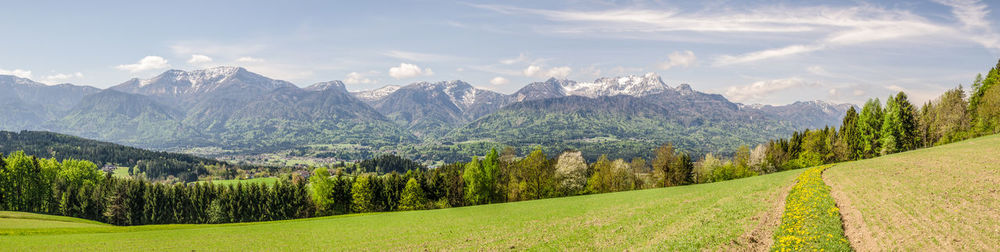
{"x":884,"y":128}
{"x":76,"y":188}
{"x":156,"y":165}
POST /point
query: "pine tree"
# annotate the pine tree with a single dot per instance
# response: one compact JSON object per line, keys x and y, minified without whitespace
{"x":849,"y":134}
{"x":869,"y":129}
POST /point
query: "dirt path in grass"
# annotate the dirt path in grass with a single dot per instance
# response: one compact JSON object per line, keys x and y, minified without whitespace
{"x":761,"y":237}
{"x":854,"y":225}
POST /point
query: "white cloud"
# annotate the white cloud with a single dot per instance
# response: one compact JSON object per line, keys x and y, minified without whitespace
{"x":761,"y":89}
{"x":146,"y":63}
{"x":532,"y":70}
{"x":357,"y":78}
{"x":198,"y":59}
{"x":406,"y":70}
{"x":679,"y":59}
{"x":556,"y":72}
{"x":499,"y":81}
{"x":248,"y":59}
{"x":17,"y":72}
{"x":765,"y":54}
{"x":60,"y":77}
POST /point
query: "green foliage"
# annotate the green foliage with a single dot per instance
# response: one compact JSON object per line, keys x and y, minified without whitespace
{"x":870,"y":128}
{"x":388,"y":164}
{"x":363,"y":195}
{"x":156,"y":164}
{"x":712,"y":169}
{"x":850,"y":134}
{"x":322,"y":191}
{"x":413,"y":196}
{"x":899,"y":125}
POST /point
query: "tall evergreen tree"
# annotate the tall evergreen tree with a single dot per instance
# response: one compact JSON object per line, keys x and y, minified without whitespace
{"x":869,"y":129}
{"x":849,"y":134}
{"x":899,"y":125}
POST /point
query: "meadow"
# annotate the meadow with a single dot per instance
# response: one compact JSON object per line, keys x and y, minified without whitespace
{"x":726,"y":215}
{"x":941,"y":198}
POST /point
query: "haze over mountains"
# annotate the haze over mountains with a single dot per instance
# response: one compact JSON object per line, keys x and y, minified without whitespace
{"x":236,"y":110}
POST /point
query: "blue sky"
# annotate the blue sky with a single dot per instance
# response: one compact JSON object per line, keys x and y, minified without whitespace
{"x":750,"y":51}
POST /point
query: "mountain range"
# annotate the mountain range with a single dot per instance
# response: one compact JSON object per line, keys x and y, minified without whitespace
{"x":233,"y":110}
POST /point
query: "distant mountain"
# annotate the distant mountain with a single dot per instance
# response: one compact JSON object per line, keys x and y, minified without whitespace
{"x":231,"y":110}
{"x":432,"y":109}
{"x":293,"y":116}
{"x":125,"y":118}
{"x":28,"y":104}
{"x":179,"y":88}
{"x":643,"y":114}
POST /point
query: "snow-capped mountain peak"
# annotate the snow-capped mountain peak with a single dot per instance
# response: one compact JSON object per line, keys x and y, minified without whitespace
{"x":376,"y":94}
{"x":633,"y":85}
{"x":233,"y":81}
{"x":19,"y":81}
{"x":323,"y":86}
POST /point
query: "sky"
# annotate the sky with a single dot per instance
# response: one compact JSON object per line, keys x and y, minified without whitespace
{"x":767,"y":52}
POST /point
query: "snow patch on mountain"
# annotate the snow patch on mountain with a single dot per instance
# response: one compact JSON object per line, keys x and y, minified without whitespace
{"x":376,"y":94}
{"x":632,"y":85}
{"x":323,"y":86}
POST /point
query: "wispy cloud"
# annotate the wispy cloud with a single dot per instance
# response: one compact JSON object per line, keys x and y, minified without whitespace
{"x":419,"y":57}
{"x":760,"y":89}
{"x":57,"y":78}
{"x":812,"y":28}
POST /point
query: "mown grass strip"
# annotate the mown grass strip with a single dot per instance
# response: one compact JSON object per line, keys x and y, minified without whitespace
{"x":811,"y":221}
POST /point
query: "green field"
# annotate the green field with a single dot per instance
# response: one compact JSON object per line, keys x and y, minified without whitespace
{"x":724,"y":215}
{"x":265,"y":180}
{"x":24,"y":222}
{"x":941,"y":198}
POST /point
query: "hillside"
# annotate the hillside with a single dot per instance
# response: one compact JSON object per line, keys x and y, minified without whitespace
{"x":941,"y":198}
{"x":698,"y":217}
{"x":48,"y":145}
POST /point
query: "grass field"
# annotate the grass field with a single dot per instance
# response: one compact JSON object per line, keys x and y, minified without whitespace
{"x":27,"y":221}
{"x":120,"y":172}
{"x":726,"y":215}
{"x":266,"y":180}
{"x":941,"y":198}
